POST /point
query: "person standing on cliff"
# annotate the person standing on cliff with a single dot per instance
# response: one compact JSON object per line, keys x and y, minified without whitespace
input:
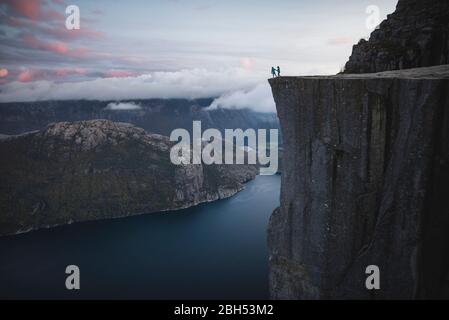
{"x":279,"y":71}
{"x":273,"y":72}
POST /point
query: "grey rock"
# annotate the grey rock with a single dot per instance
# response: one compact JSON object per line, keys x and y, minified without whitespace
{"x":365,"y":181}
{"x":98,"y":169}
{"x":415,"y":35}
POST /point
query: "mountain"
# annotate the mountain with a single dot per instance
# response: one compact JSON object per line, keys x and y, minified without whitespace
{"x":97,"y":169}
{"x":154,"y":115}
{"x":415,"y":35}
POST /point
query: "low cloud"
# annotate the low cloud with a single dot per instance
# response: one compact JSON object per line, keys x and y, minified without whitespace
{"x":258,"y":98}
{"x":232,"y":88}
{"x":123,"y":106}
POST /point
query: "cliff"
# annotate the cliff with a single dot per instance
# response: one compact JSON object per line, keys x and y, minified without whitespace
{"x":88,"y":170}
{"x":365,"y":182}
{"x":415,"y":35}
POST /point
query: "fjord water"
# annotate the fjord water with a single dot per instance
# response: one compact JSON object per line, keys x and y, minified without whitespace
{"x":212,"y":251}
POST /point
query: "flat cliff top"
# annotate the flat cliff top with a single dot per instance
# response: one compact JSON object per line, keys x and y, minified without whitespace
{"x":436,"y":72}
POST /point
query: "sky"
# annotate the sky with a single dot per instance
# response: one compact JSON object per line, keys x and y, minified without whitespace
{"x":174,"y":48}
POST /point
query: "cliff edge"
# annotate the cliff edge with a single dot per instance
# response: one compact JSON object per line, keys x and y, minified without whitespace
{"x":365,"y":180}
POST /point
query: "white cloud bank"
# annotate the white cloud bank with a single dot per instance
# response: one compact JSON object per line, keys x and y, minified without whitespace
{"x":120,"y":106}
{"x":258,"y":98}
{"x":236,"y":88}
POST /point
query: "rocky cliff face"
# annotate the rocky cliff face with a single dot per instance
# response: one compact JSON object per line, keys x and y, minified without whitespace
{"x":100,"y":169}
{"x":365,"y":182}
{"x":415,"y":35}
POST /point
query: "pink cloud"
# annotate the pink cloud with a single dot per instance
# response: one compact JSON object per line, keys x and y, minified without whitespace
{"x":78,"y":52}
{"x":25,"y":76}
{"x":30,"y":9}
{"x":3,"y":72}
{"x":54,"y":15}
{"x":31,"y":41}
{"x":55,"y":47}
{"x":60,"y":33}
{"x":64,"y":72}
{"x":34,"y":10}
{"x":49,"y":74}
{"x":118,"y":74}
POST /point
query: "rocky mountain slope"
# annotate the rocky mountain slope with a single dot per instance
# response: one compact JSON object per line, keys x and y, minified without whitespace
{"x":415,"y":35}
{"x":99,"y":169}
{"x":365,"y":182}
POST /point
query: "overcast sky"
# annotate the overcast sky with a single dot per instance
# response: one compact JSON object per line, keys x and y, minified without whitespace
{"x":172,"y":48}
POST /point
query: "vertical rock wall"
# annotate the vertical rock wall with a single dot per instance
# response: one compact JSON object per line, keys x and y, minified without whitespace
{"x":365,"y":182}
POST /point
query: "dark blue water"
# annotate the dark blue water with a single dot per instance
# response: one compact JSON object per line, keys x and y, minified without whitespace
{"x":212,"y":251}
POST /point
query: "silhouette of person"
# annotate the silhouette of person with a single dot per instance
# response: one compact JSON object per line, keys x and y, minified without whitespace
{"x":273,"y":72}
{"x":279,"y":71}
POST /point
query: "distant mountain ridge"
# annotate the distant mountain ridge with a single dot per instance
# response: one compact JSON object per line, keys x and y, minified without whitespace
{"x":159,"y":116}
